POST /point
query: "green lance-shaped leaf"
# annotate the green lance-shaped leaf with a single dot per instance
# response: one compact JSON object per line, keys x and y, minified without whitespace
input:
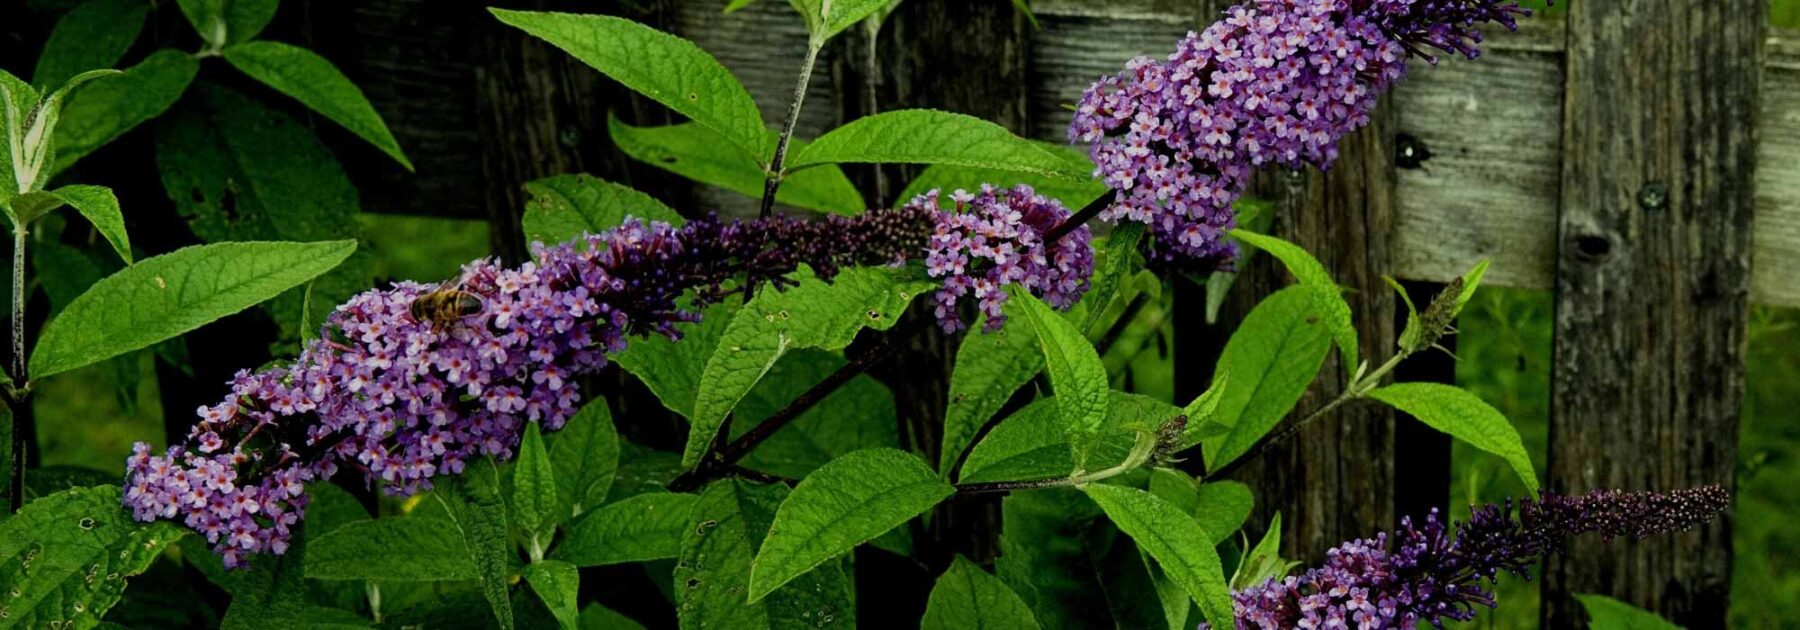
{"x":1309,"y":271}
{"x":394,"y":549}
{"x":845,"y":503}
{"x":29,"y":125}
{"x":273,"y":594}
{"x":1606,"y":613}
{"x":1030,"y":444}
{"x":1465,"y":417}
{"x":826,"y":18}
{"x":923,"y":136}
{"x":1120,"y":261}
{"x":535,"y":500}
{"x":101,"y":208}
{"x":238,"y":170}
{"x":1264,"y":560}
{"x":1073,"y":193}
{"x":162,"y":297}
{"x":637,"y":529}
{"x":1221,"y":508}
{"x":1179,"y":545}
{"x":565,"y":206}
{"x":1046,"y":558}
{"x":597,"y":617}
{"x":99,"y":112}
{"x":813,"y":314}
{"x":1076,"y":375}
{"x":968,"y":597}
{"x":585,"y":457}
{"x":989,"y":368}
{"x":222,"y":22}
{"x":1272,"y":357}
{"x":91,"y":36}
{"x":692,"y":151}
{"x":858,"y":415}
{"x":313,"y":81}
{"x":556,"y":584}
{"x":673,"y":369}
{"x":726,"y":527}
{"x":474,"y":504}
{"x":64,"y":558}
{"x":666,"y":68}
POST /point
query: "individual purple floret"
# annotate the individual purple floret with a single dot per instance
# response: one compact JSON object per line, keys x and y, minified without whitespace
{"x":995,"y":239}
{"x":1426,"y":575}
{"x":1278,"y":81}
{"x":400,"y":400}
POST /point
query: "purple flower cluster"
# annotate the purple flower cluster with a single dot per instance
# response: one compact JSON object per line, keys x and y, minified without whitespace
{"x":1277,"y":81}
{"x":400,"y":400}
{"x":1426,"y":575}
{"x":995,"y":239}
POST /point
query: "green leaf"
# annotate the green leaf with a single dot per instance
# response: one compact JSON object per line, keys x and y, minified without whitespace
{"x":556,"y":583}
{"x":93,"y":35}
{"x":1221,"y":508}
{"x":34,"y":148}
{"x":64,"y":557}
{"x":813,"y":314}
{"x":1121,"y":260}
{"x":1606,"y":613}
{"x":565,"y":206}
{"x":101,"y":208}
{"x":597,"y":617}
{"x":475,"y":506}
{"x":535,"y":500}
{"x":272,"y":594}
{"x":1471,"y":281}
{"x":843,"y":14}
{"x":585,"y":458}
{"x":1264,"y":562}
{"x":989,"y":368}
{"x":1272,"y":357}
{"x":727,"y":526}
{"x":394,"y":549}
{"x":738,"y":4}
{"x":101,"y":111}
{"x":692,"y":151}
{"x":313,"y":81}
{"x":222,"y":22}
{"x":843,"y":504}
{"x":1203,"y":413}
{"x":924,"y":136}
{"x":666,"y":68}
{"x":673,"y":369}
{"x":1309,"y":271}
{"x":858,"y":415}
{"x":1179,"y":545}
{"x":641,"y":528}
{"x":1465,"y":417}
{"x":1076,"y":375}
{"x":17,"y":99}
{"x":968,"y":597}
{"x":1046,"y":557}
{"x":238,"y":170}
{"x":1073,"y":193}
{"x":1029,"y":444}
{"x":165,"y":296}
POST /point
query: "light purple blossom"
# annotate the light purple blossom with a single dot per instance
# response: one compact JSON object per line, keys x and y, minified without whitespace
{"x":1275,"y":81}
{"x":989,"y":241}
{"x":1422,"y":574}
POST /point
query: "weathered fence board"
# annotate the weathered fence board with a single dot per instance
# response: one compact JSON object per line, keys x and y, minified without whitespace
{"x":1652,"y":286}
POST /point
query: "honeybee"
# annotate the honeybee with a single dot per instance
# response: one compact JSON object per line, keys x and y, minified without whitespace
{"x":445,"y":307}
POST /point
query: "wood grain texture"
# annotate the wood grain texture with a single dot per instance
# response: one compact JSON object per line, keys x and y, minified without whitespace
{"x":1653,"y":287}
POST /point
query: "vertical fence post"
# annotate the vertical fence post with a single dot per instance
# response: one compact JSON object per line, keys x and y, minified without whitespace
{"x":1653,"y":283}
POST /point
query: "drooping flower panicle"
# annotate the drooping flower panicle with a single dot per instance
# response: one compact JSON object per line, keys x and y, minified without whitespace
{"x":1423,"y":574}
{"x":990,"y":240}
{"x":1275,"y":81}
{"x":400,"y":400}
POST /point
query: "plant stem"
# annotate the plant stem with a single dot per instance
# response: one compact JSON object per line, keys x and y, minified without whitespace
{"x":723,"y":461}
{"x":1140,"y":453}
{"x":17,"y":398}
{"x":1357,"y":389}
{"x":772,"y":176}
{"x":18,"y":305}
{"x":1085,"y":214}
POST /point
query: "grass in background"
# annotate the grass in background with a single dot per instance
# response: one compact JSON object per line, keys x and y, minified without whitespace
{"x":1504,"y":350}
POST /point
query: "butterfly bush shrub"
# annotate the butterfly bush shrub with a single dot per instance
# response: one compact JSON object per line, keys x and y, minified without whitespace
{"x":500,"y":477}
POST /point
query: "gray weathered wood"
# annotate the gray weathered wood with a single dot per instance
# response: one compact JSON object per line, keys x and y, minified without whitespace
{"x":1652,"y":286}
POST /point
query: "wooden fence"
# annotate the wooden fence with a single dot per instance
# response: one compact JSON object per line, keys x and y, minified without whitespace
{"x":1616,"y":155}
